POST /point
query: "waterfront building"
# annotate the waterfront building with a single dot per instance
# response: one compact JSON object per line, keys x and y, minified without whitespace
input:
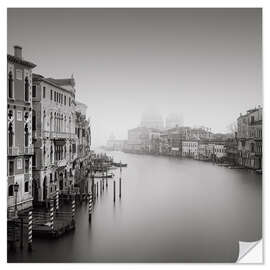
{"x":250,"y":138}
{"x":154,"y":141}
{"x":175,"y":137}
{"x":219,"y":150}
{"x":138,"y":140}
{"x":173,"y":120}
{"x":53,"y":128}
{"x":19,"y":131}
{"x":203,"y":151}
{"x":82,"y":149}
{"x":231,"y":148}
{"x":190,"y":148}
{"x":164,"y":146}
{"x":201,"y":133}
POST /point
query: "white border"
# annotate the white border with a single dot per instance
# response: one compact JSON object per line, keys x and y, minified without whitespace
{"x":139,"y":3}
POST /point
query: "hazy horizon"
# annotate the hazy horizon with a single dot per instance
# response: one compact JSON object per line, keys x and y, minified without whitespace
{"x":204,"y":64}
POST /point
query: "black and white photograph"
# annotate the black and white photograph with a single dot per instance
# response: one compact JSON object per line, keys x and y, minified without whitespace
{"x":134,"y":135}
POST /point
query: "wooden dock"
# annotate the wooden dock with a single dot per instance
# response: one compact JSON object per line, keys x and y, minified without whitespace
{"x":42,"y":226}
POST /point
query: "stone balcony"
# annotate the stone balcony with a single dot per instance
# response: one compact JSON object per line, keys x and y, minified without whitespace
{"x":13,"y":151}
{"x":28,"y":150}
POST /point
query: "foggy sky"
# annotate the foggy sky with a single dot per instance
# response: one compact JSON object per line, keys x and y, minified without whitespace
{"x":202,"y":63}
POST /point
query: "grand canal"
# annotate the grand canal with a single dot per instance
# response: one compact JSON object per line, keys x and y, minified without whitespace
{"x":171,"y":210}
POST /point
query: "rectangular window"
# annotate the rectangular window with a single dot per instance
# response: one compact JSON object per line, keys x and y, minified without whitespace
{"x":44,"y":92}
{"x":69,"y":102}
{"x":51,"y":94}
{"x":11,"y":168}
{"x":18,"y":74}
{"x":19,"y":115}
{"x":34,"y":160}
{"x":33,"y":91}
{"x":65,"y":100}
{"x":19,"y":164}
{"x":55,"y":96}
{"x":26,"y":165}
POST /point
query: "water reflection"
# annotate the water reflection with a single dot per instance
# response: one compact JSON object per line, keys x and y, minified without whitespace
{"x":171,"y":210}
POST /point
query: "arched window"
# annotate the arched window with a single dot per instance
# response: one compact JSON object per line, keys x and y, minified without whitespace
{"x":44,"y":120}
{"x":51,"y":121}
{"x":26,"y":136}
{"x":10,"y":190}
{"x":55,"y":176}
{"x":10,"y":135}
{"x":33,"y":120}
{"x":26,"y":186}
{"x":252,"y":147}
{"x":44,"y":153}
{"x":26,"y":89}
{"x":51,"y":154}
{"x":54,"y":124}
{"x":10,"y":85}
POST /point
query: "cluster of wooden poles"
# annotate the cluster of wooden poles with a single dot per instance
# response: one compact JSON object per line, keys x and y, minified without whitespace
{"x":99,"y":188}
{"x":96,"y":188}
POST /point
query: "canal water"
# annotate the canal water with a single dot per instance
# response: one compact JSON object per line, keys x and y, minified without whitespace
{"x":171,"y":210}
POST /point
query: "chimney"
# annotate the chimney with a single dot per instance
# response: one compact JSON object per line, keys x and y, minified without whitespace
{"x":18,"y":51}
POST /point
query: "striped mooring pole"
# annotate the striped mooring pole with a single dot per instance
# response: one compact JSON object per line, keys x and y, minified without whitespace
{"x":51,"y":214}
{"x":30,"y":230}
{"x":57,"y":200}
{"x":90,"y":206}
{"x":73,"y":205}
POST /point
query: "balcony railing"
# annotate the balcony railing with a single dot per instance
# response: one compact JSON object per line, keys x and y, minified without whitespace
{"x":29,"y":150}
{"x":13,"y":151}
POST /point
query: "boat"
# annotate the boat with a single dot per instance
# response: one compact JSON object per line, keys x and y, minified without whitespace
{"x":119,"y":164}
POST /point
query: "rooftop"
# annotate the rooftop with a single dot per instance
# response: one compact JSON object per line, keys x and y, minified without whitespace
{"x":17,"y":60}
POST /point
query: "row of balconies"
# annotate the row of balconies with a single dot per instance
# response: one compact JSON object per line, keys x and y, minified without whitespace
{"x":54,"y":134}
{"x":16,"y":151}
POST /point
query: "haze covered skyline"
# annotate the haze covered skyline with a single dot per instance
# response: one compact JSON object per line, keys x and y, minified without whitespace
{"x":204,"y":64}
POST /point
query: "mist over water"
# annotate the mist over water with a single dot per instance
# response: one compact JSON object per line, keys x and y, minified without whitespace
{"x":171,"y":210}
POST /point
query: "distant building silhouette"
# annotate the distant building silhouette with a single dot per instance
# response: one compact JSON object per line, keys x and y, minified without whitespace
{"x":174,"y":120}
{"x":152,"y":119}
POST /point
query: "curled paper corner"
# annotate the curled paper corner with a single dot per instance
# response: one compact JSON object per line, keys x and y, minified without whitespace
{"x":250,"y":252}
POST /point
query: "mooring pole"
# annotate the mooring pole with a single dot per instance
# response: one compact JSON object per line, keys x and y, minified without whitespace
{"x":114,"y":191}
{"x":100,"y":188}
{"x":106,"y":178}
{"x":57,"y":200}
{"x":120,"y":187}
{"x":51,"y":214}
{"x":21,"y":244}
{"x":90,"y":205}
{"x":73,"y":205}
{"x":30,"y":230}
{"x":97,"y":189}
